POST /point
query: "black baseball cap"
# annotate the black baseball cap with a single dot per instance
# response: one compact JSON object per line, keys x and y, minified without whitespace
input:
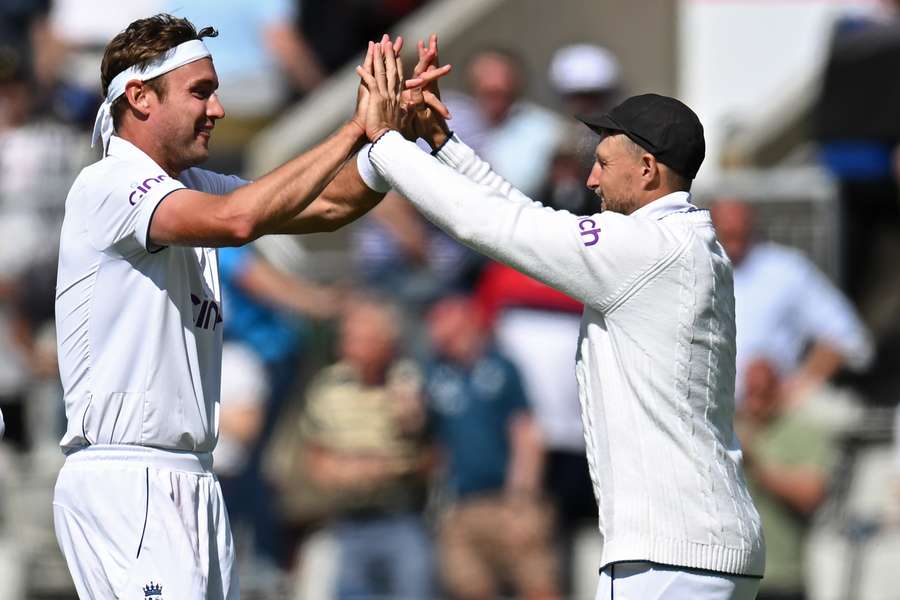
{"x":663,"y":126}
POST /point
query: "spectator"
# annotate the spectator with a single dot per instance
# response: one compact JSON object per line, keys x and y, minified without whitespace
{"x":262,"y":59}
{"x":364,"y":435}
{"x":587,"y":80}
{"x":267,"y":312}
{"x":496,"y":528}
{"x":787,"y":459}
{"x":524,"y":310}
{"x":407,"y":258}
{"x":516,"y":136}
{"x":787,"y":309}
{"x":241,"y":413}
{"x":72,"y":49}
{"x":39,"y":158}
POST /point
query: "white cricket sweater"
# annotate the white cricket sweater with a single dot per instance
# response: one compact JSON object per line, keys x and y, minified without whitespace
{"x":656,"y":351}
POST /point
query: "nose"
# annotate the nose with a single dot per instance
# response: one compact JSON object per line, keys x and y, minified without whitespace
{"x":214,"y":108}
{"x":593,"y":180}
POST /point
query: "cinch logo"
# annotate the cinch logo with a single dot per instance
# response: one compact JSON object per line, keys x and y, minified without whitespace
{"x":590,"y":231}
{"x":207,"y":308}
{"x":153,"y":591}
{"x":141,"y":190}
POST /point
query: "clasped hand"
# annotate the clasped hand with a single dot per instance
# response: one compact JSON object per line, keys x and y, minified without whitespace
{"x":387,"y":101}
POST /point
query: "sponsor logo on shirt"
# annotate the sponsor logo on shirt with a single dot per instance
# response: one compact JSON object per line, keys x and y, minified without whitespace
{"x":139,"y":190}
{"x":590,"y":231}
{"x":205,"y":318}
{"x":153,"y":591}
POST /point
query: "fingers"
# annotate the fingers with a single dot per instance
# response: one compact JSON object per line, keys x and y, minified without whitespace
{"x":390,"y":64}
{"x":367,"y":78}
{"x":370,"y":57}
{"x":400,"y":78}
{"x":380,"y":78}
{"x":425,"y":57}
{"x":435,"y":104}
{"x":398,"y":45}
{"x":428,"y":77}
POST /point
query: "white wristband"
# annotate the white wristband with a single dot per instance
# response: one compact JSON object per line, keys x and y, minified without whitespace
{"x":367,"y":172}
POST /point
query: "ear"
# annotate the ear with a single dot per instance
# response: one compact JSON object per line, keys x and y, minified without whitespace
{"x":138,"y":96}
{"x":649,"y":168}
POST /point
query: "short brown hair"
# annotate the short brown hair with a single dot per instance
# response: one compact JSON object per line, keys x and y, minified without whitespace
{"x":140,"y":44}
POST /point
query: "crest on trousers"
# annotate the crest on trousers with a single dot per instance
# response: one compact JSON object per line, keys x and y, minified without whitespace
{"x":153,"y":591}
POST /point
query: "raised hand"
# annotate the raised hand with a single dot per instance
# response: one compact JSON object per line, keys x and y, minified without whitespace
{"x":362,"y":93}
{"x":423,"y":99}
{"x":384,"y":84}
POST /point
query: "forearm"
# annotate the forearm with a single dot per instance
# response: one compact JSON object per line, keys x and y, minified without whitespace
{"x":272,"y":202}
{"x":822,"y":363}
{"x":482,"y":211}
{"x":287,"y":292}
{"x":527,"y":457}
{"x":295,"y":56}
{"x":802,"y":488}
{"x":345,"y":199}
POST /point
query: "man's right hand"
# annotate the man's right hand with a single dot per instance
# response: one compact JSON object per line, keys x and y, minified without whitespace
{"x":423,"y":97}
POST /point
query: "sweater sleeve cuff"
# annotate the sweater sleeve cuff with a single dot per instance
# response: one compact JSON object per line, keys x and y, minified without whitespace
{"x":368,"y":174}
{"x":454,"y":153}
{"x":384,"y":148}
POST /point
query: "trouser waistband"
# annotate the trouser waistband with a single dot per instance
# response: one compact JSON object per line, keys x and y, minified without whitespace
{"x":175,"y":460}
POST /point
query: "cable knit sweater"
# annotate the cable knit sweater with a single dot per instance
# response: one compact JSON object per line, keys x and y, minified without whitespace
{"x":655,"y":360}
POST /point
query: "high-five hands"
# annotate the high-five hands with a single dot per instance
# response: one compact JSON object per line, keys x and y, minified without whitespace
{"x":423,"y":100}
{"x":382,"y":103}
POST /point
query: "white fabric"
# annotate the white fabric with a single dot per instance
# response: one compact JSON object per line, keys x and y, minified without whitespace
{"x":655,"y":362}
{"x":129,"y":518}
{"x":783,"y":303}
{"x":139,"y":328}
{"x":546,"y":369}
{"x":180,"y":55}
{"x":245,"y":386}
{"x":584,"y":68}
{"x":645,"y":581}
{"x":367,"y":172}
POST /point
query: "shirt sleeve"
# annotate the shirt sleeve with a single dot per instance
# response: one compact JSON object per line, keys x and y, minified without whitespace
{"x":596,"y":259}
{"x":211,"y":182}
{"x":826,"y":315}
{"x":119,"y":212}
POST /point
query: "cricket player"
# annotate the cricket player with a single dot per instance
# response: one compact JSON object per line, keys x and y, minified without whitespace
{"x":138,"y":512}
{"x":655,"y":359}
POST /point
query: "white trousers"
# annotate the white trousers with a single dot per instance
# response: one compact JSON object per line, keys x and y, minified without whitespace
{"x":648,"y":581}
{"x":137,"y":522}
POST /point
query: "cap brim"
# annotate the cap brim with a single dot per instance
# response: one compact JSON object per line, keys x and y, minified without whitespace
{"x":600,"y":123}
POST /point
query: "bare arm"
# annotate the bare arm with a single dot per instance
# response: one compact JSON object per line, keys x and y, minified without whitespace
{"x":188,"y":217}
{"x":822,"y":362}
{"x":801,"y":487}
{"x":294,"y":55}
{"x":404,"y":224}
{"x":270,"y":285}
{"x":345,"y":199}
{"x":527,"y":456}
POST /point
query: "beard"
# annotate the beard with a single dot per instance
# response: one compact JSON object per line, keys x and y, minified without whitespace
{"x":623,"y":206}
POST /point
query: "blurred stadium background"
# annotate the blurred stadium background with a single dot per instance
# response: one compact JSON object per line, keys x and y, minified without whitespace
{"x":801,"y":104}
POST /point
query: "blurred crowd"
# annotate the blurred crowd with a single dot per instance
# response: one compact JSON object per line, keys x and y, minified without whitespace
{"x":411,"y":429}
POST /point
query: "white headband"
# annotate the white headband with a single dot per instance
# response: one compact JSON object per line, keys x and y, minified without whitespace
{"x":178,"y":56}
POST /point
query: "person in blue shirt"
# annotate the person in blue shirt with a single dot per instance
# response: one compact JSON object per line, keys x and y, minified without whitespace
{"x":268,"y":312}
{"x":496,"y":529}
